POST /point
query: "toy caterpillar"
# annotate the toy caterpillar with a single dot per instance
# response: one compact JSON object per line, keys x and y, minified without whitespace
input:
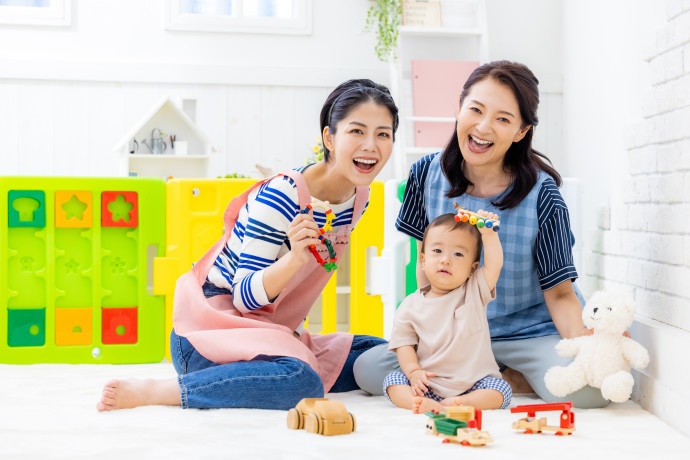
{"x":330,"y":264}
{"x":466,"y":215}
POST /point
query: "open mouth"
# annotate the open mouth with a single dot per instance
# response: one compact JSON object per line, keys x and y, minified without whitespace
{"x":364,"y":164}
{"x":444,"y":272}
{"x":478,"y":145}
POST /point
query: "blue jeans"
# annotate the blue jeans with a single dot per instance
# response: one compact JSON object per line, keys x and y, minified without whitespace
{"x":265,"y":382}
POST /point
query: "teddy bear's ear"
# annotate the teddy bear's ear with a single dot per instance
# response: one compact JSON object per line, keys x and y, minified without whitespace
{"x":629,"y":303}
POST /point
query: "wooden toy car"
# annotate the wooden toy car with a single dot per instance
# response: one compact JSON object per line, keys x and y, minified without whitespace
{"x":530,"y":424}
{"x":321,"y":416}
{"x":459,"y":424}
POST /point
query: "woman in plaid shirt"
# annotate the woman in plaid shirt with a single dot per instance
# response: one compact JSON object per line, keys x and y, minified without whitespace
{"x":489,"y":164}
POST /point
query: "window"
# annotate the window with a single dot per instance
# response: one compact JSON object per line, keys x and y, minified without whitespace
{"x":36,"y":12}
{"x":249,"y":16}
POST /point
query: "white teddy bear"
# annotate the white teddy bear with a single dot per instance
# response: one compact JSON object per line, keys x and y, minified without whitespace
{"x":603,"y":359}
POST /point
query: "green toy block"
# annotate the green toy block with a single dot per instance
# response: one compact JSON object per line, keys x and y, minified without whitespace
{"x":411,"y":267}
{"x":449,"y":426}
{"x":26,"y":208}
{"x":26,"y":327}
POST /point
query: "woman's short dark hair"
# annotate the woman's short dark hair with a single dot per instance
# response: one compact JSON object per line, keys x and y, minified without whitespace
{"x":448,"y":221}
{"x":347,"y":96}
{"x":522,"y":162}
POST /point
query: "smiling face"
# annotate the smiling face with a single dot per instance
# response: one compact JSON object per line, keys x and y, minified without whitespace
{"x":609,"y":313}
{"x":449,"y":258}
{"x":362,"y":143}
{"x":488,"y":122}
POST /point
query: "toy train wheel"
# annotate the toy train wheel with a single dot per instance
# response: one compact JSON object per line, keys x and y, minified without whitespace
{"x":465,"y":443}
{"x":312,"y":424}
{"x":354,"y":422}
{"x":295,"y":421}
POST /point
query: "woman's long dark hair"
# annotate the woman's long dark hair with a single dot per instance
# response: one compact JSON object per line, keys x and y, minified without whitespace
{"x":522,"y":162}
{"x":349,"y":95}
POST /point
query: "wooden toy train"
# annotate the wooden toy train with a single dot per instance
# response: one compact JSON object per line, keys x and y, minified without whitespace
{"x":458,"y":424}
{"x":533,"y":425}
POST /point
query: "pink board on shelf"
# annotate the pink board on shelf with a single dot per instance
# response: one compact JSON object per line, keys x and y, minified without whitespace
{"x":436,"y":86}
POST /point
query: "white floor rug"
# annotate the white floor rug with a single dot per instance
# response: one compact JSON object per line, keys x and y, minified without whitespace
{"x":48,"y":411}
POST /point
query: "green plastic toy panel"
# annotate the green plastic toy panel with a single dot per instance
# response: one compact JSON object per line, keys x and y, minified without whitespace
{"x":76,"y":283}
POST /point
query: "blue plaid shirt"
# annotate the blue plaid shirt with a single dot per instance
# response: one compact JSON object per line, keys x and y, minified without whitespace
{"x":536,"y":238}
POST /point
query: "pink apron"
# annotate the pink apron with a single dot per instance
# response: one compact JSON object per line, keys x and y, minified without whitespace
{"x":223,"y":334}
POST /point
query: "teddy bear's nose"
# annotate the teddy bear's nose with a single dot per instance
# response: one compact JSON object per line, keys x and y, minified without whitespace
{"x":595,"y":309}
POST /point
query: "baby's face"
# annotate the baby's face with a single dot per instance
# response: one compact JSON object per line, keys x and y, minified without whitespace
{"x":448,"y":259}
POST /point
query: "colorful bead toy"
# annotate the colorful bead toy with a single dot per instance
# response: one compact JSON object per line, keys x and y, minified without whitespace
{"x":466,"y":215}
{"x":331,"y":263}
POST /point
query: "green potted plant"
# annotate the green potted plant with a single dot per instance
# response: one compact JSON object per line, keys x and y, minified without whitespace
{"x":383,"y":17}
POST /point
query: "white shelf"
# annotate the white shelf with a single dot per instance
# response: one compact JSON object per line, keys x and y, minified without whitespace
{"x":463,"y":38}
{"x":422,"y":150}
{"x":165,"y":117}
{"x":431,"y":119}
{"x":439,"y":31}
{"x":152,"y":156}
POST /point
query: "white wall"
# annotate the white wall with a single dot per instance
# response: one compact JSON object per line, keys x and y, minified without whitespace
{"x":530,"y":32}
{"x":258,"y":96}
{"x":605,"y":77}
{"x":69,"y":94}
{"x":627,"y":87}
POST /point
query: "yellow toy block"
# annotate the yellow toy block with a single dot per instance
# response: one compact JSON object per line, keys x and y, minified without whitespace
{"x":73,"y":209}
{"x":73,"y":326}
{"x":194,"y":222}
{"x":366,"y":311}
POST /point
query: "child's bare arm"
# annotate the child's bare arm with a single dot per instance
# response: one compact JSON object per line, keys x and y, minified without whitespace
{"x":493,"y":252}
{"x":418,"y":377}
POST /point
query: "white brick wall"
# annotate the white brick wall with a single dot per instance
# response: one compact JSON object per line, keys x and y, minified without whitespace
{"x":643,"y":246}
{"x":646,"y":246}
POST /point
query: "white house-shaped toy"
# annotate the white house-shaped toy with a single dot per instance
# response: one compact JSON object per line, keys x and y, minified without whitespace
{"x":186,"y":156}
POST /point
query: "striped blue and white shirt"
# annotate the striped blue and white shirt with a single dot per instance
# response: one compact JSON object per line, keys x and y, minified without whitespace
{"x":259,"y":238}
{"x":536,"y":238}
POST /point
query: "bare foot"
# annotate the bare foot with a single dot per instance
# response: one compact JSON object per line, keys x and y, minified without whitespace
{"x":421,"y":405}
{"x":126,"y":394}
{"x":517,"y":381}
{"x":452,"y":401}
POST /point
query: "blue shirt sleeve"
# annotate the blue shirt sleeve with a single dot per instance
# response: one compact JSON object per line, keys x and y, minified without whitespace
{"x":555,"y":239}
{"x":412,"y":219}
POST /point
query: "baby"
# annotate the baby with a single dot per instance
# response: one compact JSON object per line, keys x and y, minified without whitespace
{"x":440,"y":332}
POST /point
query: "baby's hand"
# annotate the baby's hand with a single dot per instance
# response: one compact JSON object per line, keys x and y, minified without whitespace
{"x":486,"y":215}
{"x":419,"y":381}
{"x":302,"y":232}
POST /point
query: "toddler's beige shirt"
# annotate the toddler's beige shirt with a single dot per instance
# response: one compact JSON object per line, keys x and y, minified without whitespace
{"x":450,"y":333}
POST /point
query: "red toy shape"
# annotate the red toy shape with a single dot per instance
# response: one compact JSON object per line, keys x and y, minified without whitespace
{"x":119,"y":325}
{"x":119,"y":209}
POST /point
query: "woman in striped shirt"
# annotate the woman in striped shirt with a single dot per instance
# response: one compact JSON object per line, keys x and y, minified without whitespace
{"x":489,"y":164}
{"x":241,"y":343}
